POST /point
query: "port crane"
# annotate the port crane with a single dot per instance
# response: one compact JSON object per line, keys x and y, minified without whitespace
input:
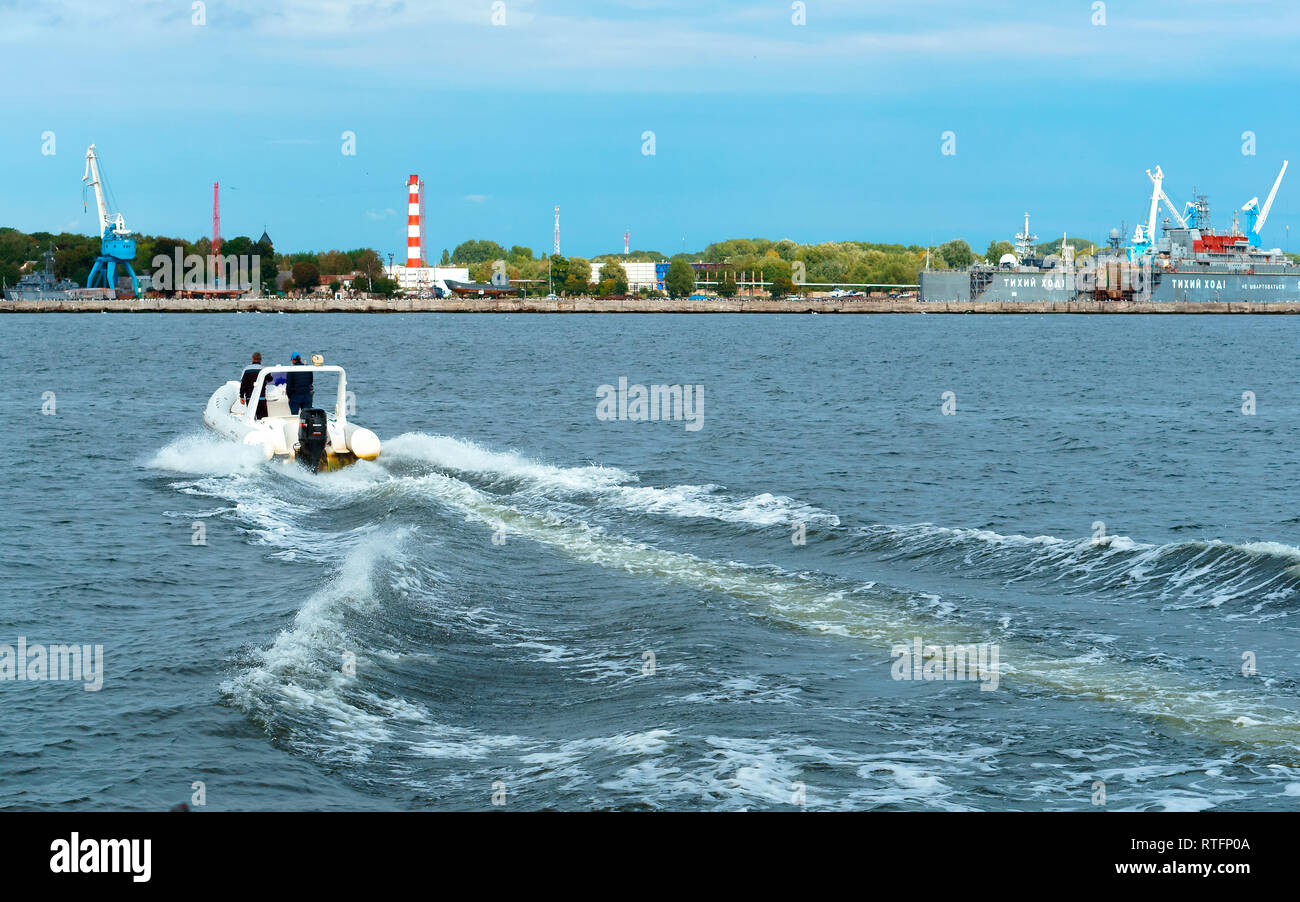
{"x":1158,"y":195}
{"x":116,"y":247}
{"x":1256,"y":216}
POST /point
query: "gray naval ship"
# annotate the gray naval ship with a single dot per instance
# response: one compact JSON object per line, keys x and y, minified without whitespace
{"x":43,"y":285}
{"x":1190,"y":261}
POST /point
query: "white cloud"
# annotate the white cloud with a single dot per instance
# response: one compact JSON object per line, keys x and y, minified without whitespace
{"x":847,"y":45}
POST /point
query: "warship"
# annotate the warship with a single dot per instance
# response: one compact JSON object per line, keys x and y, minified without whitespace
{"x":43,"y":285}
{"x":1190,"y":261}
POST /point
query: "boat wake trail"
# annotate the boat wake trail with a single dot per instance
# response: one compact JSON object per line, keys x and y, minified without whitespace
{"x":1201,"y":574}
{"x":884,"y":617}
{"x":605,"y":487}
{"x":1258,"y":580}
{"x":413,"y":596}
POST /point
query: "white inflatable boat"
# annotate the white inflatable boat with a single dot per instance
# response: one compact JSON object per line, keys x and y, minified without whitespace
{"x":313,"y":436}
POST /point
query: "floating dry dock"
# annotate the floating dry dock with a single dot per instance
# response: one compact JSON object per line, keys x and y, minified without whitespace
{"x":630,"y":305}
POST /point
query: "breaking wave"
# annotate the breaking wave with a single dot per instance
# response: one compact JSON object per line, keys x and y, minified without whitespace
{"x":1180,"y":575}
{"x":606,"y":486}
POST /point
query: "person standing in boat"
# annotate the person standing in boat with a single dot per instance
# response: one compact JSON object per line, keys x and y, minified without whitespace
{"x":299,"y":386}
{"x":248,"y":379}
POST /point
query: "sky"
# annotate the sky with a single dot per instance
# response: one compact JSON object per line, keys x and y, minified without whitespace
{"x":833,"y":129}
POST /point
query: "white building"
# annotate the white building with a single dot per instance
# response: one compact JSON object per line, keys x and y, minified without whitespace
{"x":426,"y":278}
{"x":640,"y":274}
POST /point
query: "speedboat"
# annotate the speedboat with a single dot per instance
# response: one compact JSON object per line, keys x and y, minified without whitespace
{"x":315,"y":437}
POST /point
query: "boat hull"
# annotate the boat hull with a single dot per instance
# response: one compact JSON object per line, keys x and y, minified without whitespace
{"x":1049,"y":285}
{"x":276,"y":435}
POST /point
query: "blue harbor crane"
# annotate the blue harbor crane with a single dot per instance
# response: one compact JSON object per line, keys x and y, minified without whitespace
{"x":115,"y":247}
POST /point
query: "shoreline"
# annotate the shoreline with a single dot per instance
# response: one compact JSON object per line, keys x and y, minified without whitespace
{"x":639,"y":305}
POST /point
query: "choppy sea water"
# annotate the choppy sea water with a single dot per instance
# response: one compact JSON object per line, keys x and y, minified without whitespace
{"x":645,"y":633}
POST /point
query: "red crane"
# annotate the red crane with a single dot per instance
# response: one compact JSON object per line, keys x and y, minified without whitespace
{"x":216,"y":218}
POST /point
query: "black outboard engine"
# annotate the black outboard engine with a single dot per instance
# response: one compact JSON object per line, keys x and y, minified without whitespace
{"x":312,"y":437}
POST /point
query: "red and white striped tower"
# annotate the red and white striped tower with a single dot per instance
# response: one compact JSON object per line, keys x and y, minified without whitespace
{"x":557,"y":229}
{"x":414,"y":222}
{"x":626,"y":236}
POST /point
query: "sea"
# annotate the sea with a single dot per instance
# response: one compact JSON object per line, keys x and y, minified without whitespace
{"x":922,"y":562}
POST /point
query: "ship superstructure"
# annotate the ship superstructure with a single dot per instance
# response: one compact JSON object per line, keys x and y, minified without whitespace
{"x":43,"y":285}
{"x":1189,"y":261}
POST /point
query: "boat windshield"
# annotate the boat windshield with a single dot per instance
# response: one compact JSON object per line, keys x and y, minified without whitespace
{"x":290,"y":389}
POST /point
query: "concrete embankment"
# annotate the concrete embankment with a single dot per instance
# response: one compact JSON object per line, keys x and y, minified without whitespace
{"x":631,"y":305}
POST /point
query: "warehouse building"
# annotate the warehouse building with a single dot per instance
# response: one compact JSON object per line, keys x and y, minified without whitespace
{"x":640,"y":273}
{"x":426,"y":278}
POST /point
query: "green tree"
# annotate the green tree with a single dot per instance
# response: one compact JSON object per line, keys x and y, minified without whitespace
{"x":680,"y":280}
{"x":613,"y":278}
{"x":782,"y":284}
{"x":335,"y":263}
{"x":306,"y":275}
{"x":478,"y":251}
{"x":446,"y":258}
{"x":559,"y":272}
{"x":577,"y":280}
{"x":239,"y":246}
{"x":778,"y":272}
{"x":957,"y":253}
{"x":996,"y":250}
{"x":385,"y":286}
{"x":368,"y":262}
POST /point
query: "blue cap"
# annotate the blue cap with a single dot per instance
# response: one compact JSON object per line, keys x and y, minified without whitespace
{"x":296,"y":356}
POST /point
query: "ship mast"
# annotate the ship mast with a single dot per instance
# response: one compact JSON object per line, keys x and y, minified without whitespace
{"x":1025,"y":242}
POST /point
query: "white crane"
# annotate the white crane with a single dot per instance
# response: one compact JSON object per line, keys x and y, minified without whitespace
{"x":1158,"y":195}
{"x":1252,"y":205}
{"x":115,"y":221}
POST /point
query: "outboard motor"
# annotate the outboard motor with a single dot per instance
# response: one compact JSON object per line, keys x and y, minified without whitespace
{"x":312,"y":437}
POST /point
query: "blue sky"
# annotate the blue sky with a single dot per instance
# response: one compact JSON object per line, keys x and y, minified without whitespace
{"x":829,"y":130}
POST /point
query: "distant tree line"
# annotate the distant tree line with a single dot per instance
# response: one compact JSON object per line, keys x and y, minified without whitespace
{"x":788,"y":265}
{"x":75,"y":255}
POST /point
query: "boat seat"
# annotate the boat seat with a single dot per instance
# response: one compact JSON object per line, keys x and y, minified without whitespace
{"x":277,"y":407}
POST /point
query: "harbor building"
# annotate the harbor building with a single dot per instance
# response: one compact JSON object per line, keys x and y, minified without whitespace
{"x":640,"y":273}
{"x":426,"y":278}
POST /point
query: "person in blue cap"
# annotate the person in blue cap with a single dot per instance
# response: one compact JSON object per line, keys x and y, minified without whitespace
{"x":298,"y":386}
